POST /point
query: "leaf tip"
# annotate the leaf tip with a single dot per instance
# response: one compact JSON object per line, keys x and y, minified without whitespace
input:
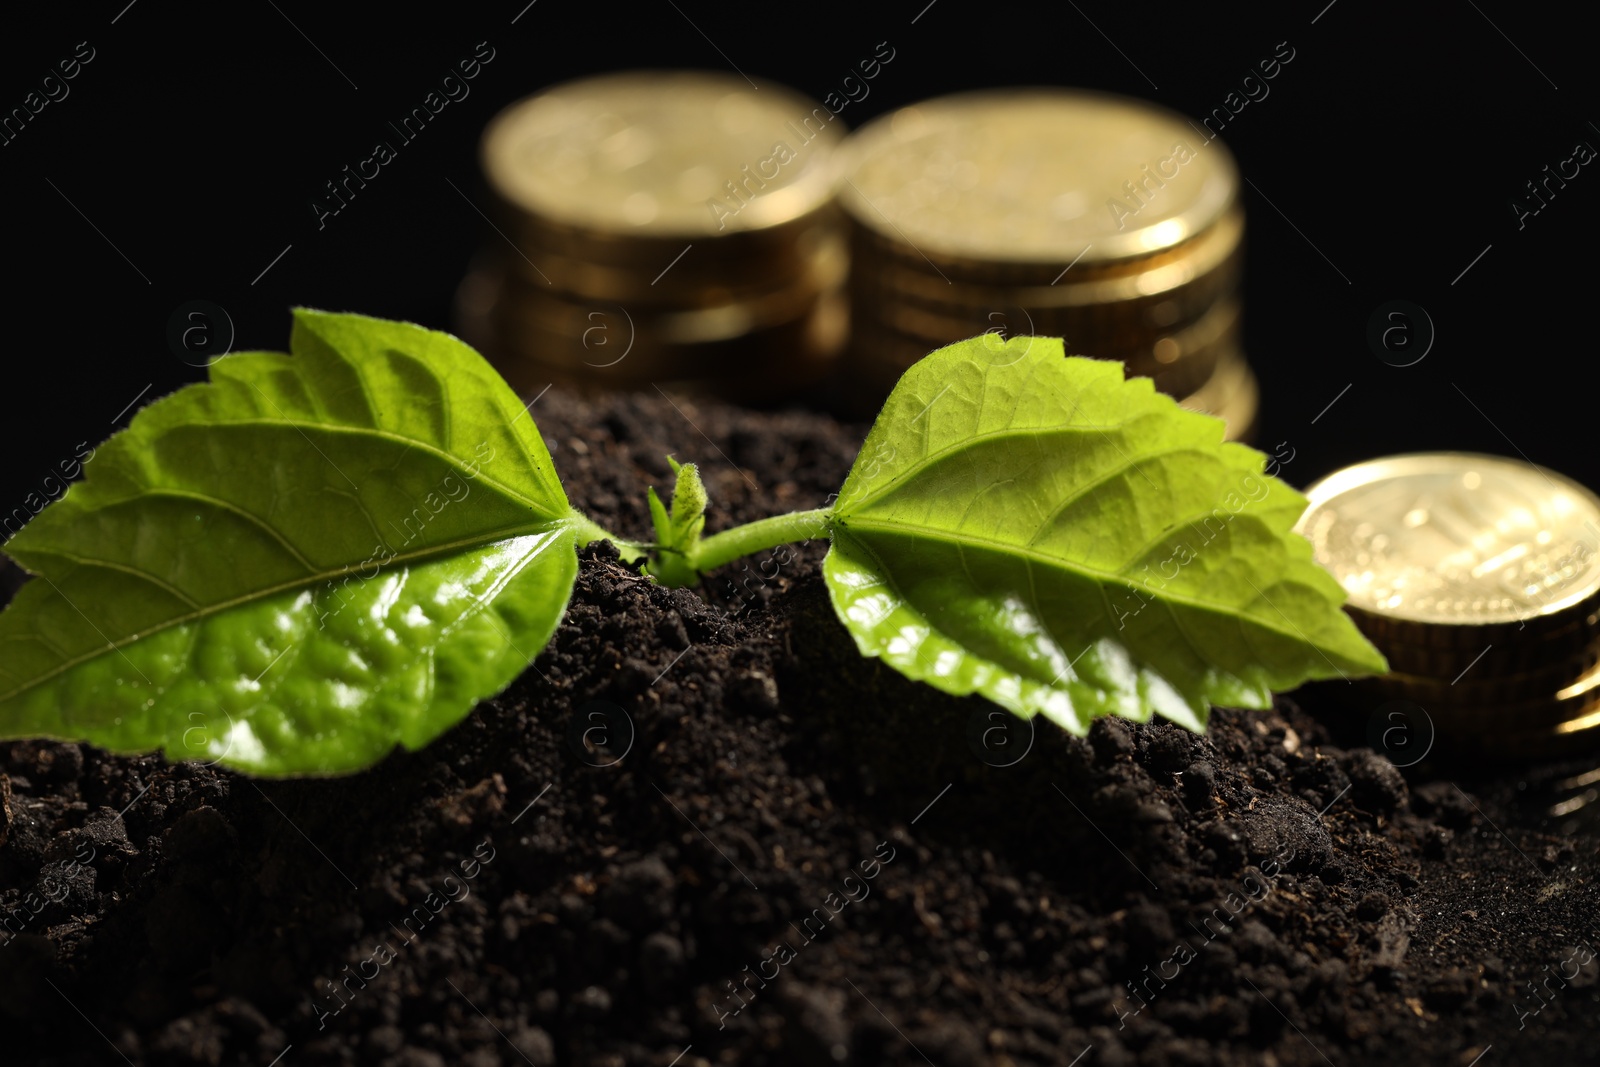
{"x":1371,"y":660}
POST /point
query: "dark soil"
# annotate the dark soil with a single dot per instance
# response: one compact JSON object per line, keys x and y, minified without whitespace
{"x":1260,"y":895}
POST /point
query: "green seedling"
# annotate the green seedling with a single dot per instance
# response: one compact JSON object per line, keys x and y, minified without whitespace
{"x":315,"y":557}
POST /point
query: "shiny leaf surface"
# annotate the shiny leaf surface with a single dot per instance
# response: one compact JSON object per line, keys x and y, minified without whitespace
{"x":1035,"y":529}
{"x":298,"y":565}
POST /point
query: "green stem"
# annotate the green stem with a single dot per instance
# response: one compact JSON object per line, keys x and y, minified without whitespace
{"x":587,"y":530}
{"x":757,"y":536}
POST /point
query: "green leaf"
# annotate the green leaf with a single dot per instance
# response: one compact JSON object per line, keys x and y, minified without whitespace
{"x":658,"y":515}
{"x":678,"y":533}
{"x":1038,"y":530}
{"x":297,"y":566}
{"x":688,"y":503}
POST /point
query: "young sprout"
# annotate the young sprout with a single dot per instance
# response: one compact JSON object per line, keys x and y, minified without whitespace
{"x":313,"y":558}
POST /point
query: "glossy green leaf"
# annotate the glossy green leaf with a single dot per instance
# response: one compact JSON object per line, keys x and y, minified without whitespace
{"x":1034,"y":528}
{"x":295,"y":567}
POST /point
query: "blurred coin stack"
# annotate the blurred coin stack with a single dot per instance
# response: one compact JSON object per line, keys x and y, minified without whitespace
{"x":1102,"y":220}
{"x":1479,"y":578}
{"x":661,"y":227}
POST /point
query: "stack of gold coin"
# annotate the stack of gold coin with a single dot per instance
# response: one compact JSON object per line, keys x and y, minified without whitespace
{"x":1479,"y":578}
{"x":1105,"y":221}
{"x":661,"y":227}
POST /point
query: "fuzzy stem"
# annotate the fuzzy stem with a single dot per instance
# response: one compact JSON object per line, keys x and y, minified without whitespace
{"x":753,"y":537}
{"x":588,"y":530}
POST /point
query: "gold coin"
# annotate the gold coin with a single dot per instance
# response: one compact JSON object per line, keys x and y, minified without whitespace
{"x":1460,"y":721}
{"x":754,"y":352}
{"x":1572,"y":679}
{"x":664,"y":154}
{"x":769,"y":251}
{"x":1181,"y":360}
{"x":1133,"y":317}
{"x":1535,"y":654}
{"x":1457,"y":548}
{"x":1036,"y":176}
{"x":1563,"y":723}
{"x":528,"y":302}
{"x":825,"y":263}
{"x":1193,"y":272}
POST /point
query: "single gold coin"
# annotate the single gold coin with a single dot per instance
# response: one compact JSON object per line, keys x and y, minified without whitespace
{"x":664,"y":154}
{"x":1079,"y":179}
{"x":1457,"y":549}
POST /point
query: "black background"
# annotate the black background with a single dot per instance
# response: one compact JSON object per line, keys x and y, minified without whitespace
{"x":1395,"y":141}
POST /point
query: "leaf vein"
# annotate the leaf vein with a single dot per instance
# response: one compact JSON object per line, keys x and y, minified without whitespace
{"x":112,"y":645}
{"x":106,"y":564}
{"x":538,"y":507}
{"x":1083,"y":570}
{"x":921,"y":465}
{"x":232,"y":508}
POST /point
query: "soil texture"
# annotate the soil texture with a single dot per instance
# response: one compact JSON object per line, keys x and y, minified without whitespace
{"x":702,"y":829}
